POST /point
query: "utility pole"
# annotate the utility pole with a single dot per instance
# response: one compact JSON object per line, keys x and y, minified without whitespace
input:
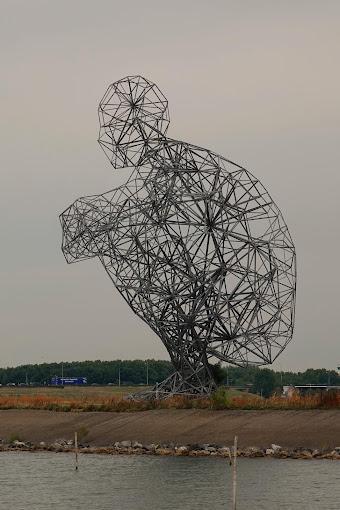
{"x":147,"y":373}
{"x":119,"y":376}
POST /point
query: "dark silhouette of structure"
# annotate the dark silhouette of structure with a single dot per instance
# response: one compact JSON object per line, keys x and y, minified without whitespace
{"x":193,"y":242}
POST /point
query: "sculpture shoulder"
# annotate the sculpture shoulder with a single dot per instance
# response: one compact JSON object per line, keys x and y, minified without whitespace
{"x":177,"y":154}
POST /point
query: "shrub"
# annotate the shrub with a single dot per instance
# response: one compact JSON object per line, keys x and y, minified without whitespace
{"x":329,"y":399}
{"x":264,"y":382}
{"x":220,"y":399}
{"x":14,"y":437}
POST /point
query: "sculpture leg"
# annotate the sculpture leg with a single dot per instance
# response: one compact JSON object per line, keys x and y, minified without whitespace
{"x":195,"y":382}
{"x":192,"y":374}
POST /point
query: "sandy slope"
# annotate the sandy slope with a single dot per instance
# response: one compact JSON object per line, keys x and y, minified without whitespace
{"x":288,"y":428}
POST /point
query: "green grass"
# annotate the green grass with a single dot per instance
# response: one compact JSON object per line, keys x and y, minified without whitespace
{"x":70,"y":392}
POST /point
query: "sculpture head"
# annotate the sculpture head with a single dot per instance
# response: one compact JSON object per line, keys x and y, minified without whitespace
{"x":133,"y":118}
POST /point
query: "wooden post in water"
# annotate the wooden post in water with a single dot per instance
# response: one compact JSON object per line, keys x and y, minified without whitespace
{"x":234,"y":473}
{"x":76,"y":448}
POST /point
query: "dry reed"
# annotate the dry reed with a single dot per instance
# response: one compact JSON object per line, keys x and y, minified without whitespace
{"x":219,"y":401}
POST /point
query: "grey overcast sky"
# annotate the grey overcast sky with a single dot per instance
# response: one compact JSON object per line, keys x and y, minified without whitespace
{"x":257,"y":81}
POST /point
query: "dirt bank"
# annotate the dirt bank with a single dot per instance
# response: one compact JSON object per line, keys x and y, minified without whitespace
{"x":311,"y":429}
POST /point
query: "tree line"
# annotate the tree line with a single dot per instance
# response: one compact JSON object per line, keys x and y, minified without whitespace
{"x":153,"y":371}
{"x":97,"y":372}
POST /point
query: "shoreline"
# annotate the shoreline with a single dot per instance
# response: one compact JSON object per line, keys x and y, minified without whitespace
{"x":296,"y":434}
{"x":204,"y":450}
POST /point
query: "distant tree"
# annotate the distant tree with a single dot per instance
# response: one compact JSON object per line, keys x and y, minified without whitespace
{"x":218,"y":373}
{"x":264,"y":382}
{"x":98,"y":372}
{"x":135,"y":372}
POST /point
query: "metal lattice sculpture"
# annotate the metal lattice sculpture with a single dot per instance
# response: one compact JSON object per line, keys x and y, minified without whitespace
{"x":193,"y":242}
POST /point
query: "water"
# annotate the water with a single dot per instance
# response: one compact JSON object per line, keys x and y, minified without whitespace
{"x":42,"y":481}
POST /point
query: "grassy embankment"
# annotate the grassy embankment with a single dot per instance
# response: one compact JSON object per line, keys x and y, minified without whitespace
{"x":112,"y":399}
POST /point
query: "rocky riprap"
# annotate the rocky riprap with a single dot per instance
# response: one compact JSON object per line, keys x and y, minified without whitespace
{"x":193,"y":450}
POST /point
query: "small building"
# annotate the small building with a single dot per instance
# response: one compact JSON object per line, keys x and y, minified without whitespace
{"x":288,"y":391}
{"x":303,"y":389}
{"x":68,"y":381}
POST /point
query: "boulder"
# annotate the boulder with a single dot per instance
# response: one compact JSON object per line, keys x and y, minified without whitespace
{"x":136,"y":444}
{"x":19,"y":444}
{"x":202,"y":453}
{"x":164,"y":451}
{"x":253,"y":451}
{"x":276,"y":447}
{"x":298,"y":449}
{"x":224,"y":451}
{"x":125,"y":444}
{"x":60,"y":442}
{"x":210,"y":449}
{"x":305,"y":454}
{"x":182,"y":450}
{"x":151,"y":447}
{"x":199,"y":446}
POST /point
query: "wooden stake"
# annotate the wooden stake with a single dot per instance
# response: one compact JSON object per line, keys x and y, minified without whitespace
{"x":235,"y":473}
{"x":76,"y":448}
{"x":230,"y":458}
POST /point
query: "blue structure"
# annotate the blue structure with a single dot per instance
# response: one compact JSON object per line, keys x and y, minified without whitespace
{"x":68,"y":381}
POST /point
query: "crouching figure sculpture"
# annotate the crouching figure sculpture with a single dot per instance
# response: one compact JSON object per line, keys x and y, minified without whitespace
{"x":193,"y":242}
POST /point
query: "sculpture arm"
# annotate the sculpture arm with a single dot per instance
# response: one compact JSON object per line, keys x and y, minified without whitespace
{"x":85,"y":224}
